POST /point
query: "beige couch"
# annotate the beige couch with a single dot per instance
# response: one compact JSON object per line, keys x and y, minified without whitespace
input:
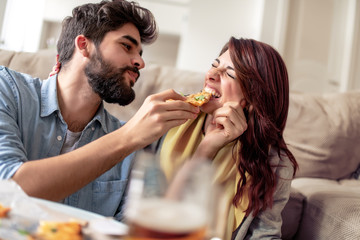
{"x":323,"y":132}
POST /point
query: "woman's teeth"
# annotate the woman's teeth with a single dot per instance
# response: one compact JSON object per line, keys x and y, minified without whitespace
{"x":213,"y":92}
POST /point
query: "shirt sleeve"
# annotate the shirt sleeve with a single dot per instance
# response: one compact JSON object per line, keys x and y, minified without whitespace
{"x":12,"y":151}
{"x":267,"y":224}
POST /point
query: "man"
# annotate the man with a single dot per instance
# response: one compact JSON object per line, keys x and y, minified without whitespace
{"x":56,"y":140}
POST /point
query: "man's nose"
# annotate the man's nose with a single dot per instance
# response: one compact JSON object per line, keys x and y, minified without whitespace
{"x":138,"y":62}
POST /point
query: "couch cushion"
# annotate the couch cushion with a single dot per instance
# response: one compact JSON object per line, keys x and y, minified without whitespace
{"x":323,"y":133}
{"x":38,"y":64}
{"x":331,"y":209}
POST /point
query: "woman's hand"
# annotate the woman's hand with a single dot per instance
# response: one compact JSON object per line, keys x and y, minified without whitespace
{"x":226,"y":124}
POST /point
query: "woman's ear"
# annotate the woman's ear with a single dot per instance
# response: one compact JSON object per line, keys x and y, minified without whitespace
{"x":82,"y":45}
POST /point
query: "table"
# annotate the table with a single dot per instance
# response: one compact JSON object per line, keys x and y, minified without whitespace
{"x":26,"y":213}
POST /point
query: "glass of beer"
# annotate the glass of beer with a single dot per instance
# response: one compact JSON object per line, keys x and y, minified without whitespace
{"x":162,"y":208}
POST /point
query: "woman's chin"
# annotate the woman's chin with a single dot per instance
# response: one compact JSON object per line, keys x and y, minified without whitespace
{"x":208,"y":107}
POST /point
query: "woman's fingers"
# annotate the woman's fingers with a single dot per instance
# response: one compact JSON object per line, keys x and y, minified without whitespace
{"x":231,"y":118}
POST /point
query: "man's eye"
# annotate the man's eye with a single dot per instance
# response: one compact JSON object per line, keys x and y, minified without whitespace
{"x":213,"y":65}
{"x":127,"y":46}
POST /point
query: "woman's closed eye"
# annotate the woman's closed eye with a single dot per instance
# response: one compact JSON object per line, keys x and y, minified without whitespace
{"x":230,"y":74}
{"x":216,"y":63}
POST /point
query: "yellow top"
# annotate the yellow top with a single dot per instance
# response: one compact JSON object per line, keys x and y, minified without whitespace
{"x":181,"y":143}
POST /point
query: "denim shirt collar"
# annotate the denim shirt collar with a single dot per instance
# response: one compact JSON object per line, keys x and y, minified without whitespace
{"x":49,"y":101}
{"x":50,"y":104}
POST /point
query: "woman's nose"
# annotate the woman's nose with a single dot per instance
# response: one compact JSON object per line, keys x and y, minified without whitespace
{"x":214,"y":74}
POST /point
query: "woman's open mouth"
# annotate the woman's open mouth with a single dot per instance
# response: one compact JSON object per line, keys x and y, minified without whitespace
{"x":214,"y":93}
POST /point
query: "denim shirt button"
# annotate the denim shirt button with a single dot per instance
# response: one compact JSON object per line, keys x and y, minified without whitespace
{"x":93,"y":128}
{"x":59,"y":138}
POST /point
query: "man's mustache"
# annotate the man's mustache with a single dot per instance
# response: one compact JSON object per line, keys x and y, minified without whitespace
{"x":133,"y":69}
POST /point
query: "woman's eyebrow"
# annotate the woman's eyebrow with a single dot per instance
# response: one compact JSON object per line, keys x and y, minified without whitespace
{"x":231,"y":68}
{"x":228,"y":67}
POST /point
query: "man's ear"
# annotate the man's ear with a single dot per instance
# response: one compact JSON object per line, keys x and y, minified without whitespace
{"x":82,"y":44}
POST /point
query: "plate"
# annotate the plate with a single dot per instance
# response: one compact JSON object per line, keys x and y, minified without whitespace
{"x":96,"y":222}
{"x":66,"y":210}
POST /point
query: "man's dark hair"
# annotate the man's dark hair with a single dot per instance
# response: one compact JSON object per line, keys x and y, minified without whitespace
{"x":95,"y":20}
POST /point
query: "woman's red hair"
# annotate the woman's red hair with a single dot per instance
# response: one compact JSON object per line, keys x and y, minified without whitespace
{"x":264,"y":81}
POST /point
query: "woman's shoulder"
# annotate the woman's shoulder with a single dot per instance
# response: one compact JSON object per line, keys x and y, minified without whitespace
{"x":281,"y":163}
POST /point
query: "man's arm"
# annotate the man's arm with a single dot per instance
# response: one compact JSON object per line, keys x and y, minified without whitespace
{"x":57,"y":177}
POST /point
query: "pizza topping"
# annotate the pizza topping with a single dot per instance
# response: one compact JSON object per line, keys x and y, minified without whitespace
{"x":198,"y":99}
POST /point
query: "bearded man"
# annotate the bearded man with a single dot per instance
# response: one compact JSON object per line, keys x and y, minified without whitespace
{"x":56,"y":139}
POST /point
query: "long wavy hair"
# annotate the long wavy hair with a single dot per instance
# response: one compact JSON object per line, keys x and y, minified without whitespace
{"x":264,"y":81}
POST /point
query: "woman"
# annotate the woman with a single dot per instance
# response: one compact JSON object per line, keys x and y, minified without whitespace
{"x":241,"y":131}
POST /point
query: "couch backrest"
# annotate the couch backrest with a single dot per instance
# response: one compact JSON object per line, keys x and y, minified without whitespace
{"x":37,"y":64}
{"x":323,"y":132}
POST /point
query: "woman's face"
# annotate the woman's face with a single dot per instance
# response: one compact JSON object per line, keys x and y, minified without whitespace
{"x":221,"y":81}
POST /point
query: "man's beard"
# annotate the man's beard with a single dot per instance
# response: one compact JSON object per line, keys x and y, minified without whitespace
{"x":109,"y":82}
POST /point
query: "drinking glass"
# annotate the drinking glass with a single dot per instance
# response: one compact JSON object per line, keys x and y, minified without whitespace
{"x":179,"y":208}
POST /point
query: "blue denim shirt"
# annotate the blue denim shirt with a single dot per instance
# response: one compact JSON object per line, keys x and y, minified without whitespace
{"x":31,"y":127}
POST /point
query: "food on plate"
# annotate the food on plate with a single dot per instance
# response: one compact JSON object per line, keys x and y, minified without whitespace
{"x":4,"y":211}
{"x":49,"y":230}
{"x":197,"y":99}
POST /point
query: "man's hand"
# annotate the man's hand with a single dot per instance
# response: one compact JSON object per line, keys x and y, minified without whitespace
{"x":156,"y":116}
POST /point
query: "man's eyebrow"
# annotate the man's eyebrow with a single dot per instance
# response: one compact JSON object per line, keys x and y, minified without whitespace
{"x":131,"y":39}
{"x":134,"y":41}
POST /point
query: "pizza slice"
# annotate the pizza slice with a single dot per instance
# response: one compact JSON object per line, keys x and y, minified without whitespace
{"x":197,"y":99}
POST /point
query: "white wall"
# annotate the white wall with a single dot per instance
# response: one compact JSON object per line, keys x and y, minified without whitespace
{"x":201,"y":33}
{"x":22,"y":25}
{"x":2,"y":13}
{"x":211,"y":24}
